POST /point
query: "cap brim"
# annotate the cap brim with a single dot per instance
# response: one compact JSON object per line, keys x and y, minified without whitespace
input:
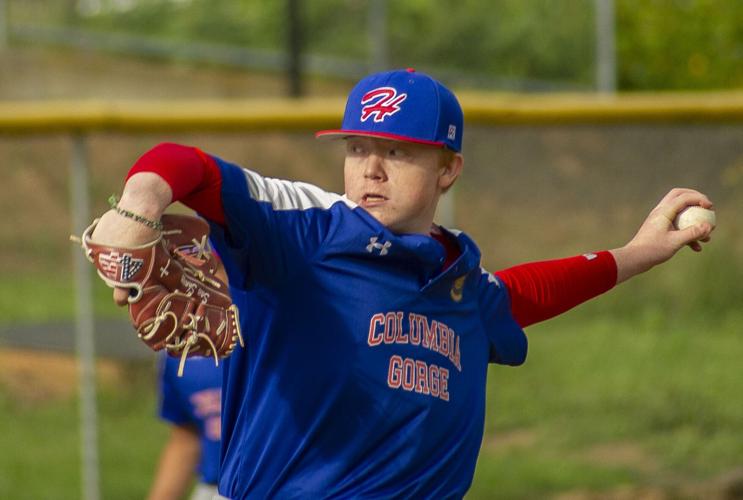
{"x":340,"y":134}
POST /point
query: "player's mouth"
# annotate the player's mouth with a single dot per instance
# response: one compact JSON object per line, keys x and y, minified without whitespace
{"x":372,"y":200}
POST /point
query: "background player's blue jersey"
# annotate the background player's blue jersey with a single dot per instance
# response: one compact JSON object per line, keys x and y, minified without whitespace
{"x":194,"y":400}
{"x":364,"y":369}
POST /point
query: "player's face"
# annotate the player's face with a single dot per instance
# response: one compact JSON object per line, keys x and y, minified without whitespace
{"x":399,"y":183}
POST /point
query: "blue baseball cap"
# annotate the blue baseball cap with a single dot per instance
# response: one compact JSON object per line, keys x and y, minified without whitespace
{"x":402,"y":105}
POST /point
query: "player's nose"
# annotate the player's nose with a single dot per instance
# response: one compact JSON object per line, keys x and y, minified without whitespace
{"x":374,"y":167}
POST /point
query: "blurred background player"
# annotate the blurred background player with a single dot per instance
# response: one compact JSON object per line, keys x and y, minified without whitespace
{"x":191,"y":404}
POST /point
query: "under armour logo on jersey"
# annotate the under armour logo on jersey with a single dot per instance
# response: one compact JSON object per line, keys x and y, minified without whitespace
{"x":375,"y":245}
{"x":381,"y":102}
{"x":119,"y":267}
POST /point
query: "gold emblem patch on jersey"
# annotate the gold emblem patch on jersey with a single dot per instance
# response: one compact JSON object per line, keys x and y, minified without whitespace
{"x":457,"y":288}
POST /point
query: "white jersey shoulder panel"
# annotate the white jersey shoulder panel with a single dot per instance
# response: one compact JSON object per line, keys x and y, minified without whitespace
{"x":490,"y":276}
{"x":289,"y":195}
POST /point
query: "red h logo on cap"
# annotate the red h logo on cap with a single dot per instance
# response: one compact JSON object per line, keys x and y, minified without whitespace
{"x":381,"y":102}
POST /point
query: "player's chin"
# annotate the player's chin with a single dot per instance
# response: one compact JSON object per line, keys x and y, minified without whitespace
{"x":391,"y":218}
{"x":380,"y":212}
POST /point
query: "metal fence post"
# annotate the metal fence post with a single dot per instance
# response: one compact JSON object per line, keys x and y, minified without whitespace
{"x":377,"y":35}
{"x":606,"y":58}
{"x":295,"y":35}
{"x":3,"y":24}
{"x":84,"y":324}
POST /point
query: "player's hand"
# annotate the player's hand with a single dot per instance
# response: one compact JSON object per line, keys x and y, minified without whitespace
{"x":658,"y":240}
{"x":146,"y":194}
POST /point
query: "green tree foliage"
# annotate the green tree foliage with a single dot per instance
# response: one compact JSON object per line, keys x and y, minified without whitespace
{"x":661,"y":44}
{"x":254,"y":23}
{"x":680,"y":44}
{"x":499,"y":38}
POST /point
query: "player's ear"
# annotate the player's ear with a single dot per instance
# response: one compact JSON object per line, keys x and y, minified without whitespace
{"x":451,"y":167}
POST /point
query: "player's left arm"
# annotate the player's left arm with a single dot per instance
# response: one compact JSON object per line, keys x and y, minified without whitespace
{"x":542,"y":290}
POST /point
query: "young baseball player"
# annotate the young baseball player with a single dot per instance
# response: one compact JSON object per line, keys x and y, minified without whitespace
{"x":368,"y":328}
{"x":191,"y":404}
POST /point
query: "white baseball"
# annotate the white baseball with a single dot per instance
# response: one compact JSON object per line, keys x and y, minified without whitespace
{"x":693,"y":215}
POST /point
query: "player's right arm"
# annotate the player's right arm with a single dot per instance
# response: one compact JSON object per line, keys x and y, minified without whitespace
{"x":146,"y":194}
{"x":165,"y":174}
{"x":274,"y":228}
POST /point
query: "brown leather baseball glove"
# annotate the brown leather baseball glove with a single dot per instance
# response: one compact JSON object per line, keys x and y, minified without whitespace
{"x":178,"y":294}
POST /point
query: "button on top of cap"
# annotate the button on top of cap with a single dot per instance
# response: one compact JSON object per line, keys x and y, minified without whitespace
{"x":410,"y":70}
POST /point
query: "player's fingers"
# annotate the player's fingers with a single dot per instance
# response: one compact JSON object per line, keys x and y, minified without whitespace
{"x":675,"y":205}
{"x":691,"y":196}
{"x":694,"y":245}
{"x":692,"y":235}
{"x":673,"y":193}
{"x":120,"y":296}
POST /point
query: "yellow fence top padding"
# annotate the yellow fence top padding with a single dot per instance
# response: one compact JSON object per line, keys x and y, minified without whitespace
{"x":538,"y":109}
{"x":89,"y":115}
{"x":319,"y":113}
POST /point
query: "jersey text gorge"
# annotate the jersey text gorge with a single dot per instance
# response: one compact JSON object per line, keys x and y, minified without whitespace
{"x":413,"y":374}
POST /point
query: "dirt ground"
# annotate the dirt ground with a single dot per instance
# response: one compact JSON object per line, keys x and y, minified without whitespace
{"x":32,"y":376}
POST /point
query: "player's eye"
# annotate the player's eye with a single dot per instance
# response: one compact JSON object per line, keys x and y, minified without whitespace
{"x":354,"y":148}
{"x":396,"y":153}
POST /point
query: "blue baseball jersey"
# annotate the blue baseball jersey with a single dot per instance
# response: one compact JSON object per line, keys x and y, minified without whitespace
{"x":364,"y":369}
{"x":194,"y":400}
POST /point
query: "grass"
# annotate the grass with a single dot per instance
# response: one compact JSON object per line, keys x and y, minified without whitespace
{"x":612,"y":403}
{"x":22,"y":300}
{"x":41,"y":442}
{"x":131,"y":436}
{"x":40,"y":450}
{"x":535,"y":474}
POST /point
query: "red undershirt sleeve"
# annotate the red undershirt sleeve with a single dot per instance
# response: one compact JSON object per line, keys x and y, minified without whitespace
{"x":193,"y":176}
{"x":542,"y":290}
